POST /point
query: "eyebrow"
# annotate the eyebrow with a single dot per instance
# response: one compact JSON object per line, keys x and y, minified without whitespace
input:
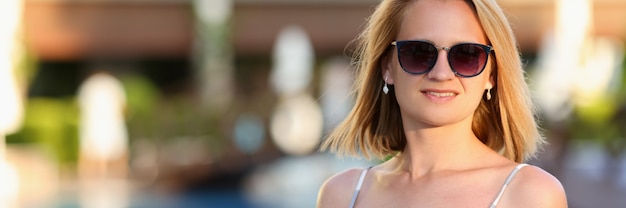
{"x":439,"y":45}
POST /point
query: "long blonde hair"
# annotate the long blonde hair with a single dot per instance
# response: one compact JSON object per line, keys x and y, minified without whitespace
{"x":506,"y":123}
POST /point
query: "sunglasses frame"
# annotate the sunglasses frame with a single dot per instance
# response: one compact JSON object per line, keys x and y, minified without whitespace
{"x":399,"y":43}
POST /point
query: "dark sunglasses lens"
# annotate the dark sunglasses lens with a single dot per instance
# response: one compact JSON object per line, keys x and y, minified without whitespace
{"x":467,"y":59}
{"x":417,"y":57}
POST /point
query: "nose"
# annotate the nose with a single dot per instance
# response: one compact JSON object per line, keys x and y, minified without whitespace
{"x":441,"y":71}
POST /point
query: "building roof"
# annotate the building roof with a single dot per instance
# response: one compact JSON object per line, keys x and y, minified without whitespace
{"x":70,"y":29}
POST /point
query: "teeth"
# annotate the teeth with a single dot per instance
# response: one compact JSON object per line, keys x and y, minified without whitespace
{"x":441,"y":94}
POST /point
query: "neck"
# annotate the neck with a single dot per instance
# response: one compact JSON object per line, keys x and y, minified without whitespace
{"x":439,"y":149}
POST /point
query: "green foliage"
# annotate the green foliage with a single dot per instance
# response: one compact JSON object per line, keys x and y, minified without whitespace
{"x":604,"y":119}
{"x":141,"y":94}
{"x":53,"y":124}
{"x":141,"y":97}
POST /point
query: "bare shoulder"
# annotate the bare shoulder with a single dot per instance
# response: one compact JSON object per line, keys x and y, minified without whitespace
{"x":534,"y":187}
{"x":337,"y":190}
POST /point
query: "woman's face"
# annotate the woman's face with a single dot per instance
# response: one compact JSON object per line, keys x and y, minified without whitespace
{"x":438,"y":97}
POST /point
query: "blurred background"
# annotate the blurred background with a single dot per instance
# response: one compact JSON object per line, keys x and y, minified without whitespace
{"x":223,"y":103}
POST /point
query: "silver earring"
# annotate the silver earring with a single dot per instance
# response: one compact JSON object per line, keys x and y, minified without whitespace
{"x":489,"y":94}
{"x":385,"y":88}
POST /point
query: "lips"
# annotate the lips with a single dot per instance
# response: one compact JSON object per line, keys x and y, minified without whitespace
{"x":440,"y":94}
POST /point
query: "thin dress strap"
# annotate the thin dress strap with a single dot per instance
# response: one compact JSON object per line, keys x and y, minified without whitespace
{"x":358,"y":187}
{"x":506,"y":183}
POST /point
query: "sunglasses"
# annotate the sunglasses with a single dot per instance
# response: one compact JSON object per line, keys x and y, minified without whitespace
{"x":465,"y":59}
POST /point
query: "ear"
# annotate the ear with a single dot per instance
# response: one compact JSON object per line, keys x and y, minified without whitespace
{"x":387,"y":76}
{"x":490,"y":83}
{"x":386,"y":66}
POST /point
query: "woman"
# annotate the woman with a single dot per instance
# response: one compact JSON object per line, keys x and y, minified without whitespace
{"x":441,"y":95}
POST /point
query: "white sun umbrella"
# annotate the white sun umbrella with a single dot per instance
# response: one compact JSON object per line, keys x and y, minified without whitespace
{"x":11,"y":109}
{"x":103,"y":133}
{"x":103,"y":140}
{"x":296,"y":125}
{"x":560,"y":58}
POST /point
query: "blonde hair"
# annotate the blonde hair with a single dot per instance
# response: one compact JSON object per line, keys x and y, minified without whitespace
{"x":506,"y":123}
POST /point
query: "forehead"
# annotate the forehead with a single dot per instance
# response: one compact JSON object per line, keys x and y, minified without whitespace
{"x":442,"y":22}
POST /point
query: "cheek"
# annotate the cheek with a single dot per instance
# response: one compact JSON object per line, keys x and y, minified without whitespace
{"x":406,"y":87}
{"x":475,"y":88}
{"x":401,"y":80}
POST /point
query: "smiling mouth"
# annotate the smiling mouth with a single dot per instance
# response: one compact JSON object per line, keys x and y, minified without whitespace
{"x":440,"y":94}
